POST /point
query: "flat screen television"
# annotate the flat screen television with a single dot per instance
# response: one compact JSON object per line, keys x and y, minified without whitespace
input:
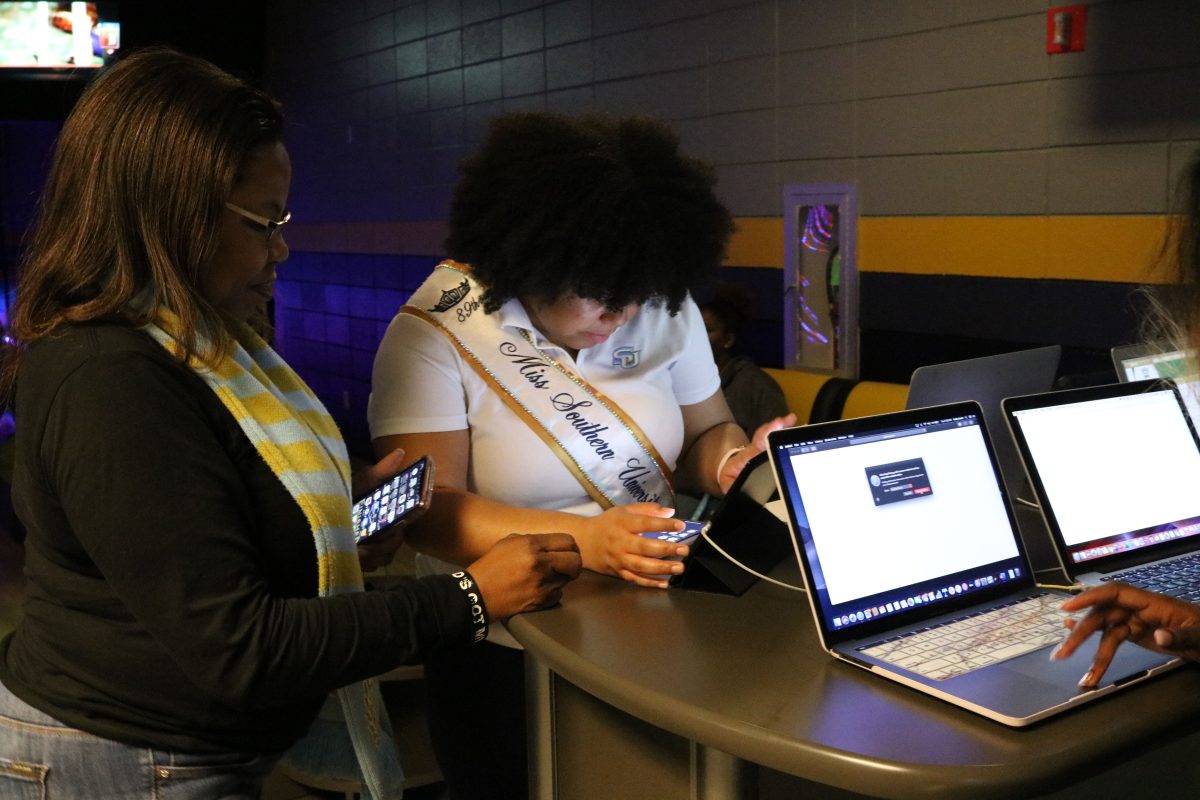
{"x":52,"y":39}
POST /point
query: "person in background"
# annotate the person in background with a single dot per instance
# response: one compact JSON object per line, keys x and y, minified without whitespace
{"x":1116,"y":611}
{"x":556,"y":368}
{"x":753,"y":396}
{"x":193,"y":590}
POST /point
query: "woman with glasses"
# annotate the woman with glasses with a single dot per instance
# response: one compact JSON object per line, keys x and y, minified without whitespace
{"x":193,"y":591}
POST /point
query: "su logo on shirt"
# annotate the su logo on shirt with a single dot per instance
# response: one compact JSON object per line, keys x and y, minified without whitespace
{"x":626,"y":357}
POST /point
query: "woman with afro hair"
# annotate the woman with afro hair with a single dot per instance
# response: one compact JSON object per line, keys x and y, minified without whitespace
{"x":558,"y":371}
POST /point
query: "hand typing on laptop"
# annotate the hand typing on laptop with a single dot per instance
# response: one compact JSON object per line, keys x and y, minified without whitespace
{"x":915,"y":566}
{"x":1125,"y":613}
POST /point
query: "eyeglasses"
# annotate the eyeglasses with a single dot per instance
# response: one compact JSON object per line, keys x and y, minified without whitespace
{"x":271,"y":226}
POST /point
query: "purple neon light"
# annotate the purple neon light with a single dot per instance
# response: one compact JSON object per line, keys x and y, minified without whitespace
{"x":818,"y":229}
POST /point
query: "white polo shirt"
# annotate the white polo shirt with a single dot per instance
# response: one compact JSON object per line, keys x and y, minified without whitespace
{"x":649,"y":367}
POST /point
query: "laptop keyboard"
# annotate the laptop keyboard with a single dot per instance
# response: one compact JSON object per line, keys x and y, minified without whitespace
{"x":977,"y":640}
{"x":1178,"y":578}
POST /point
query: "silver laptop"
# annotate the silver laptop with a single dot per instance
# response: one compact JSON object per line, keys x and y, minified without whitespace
{"x":987,"y":381}
{"x":915,"y":570}
{"x":1116,"y":469}
{"x":1146,"y":361}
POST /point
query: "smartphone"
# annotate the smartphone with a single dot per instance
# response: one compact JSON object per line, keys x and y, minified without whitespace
{"x":691,"y":529}
{"x":403,"y":497}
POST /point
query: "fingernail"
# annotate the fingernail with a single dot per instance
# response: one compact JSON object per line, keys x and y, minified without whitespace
{"x":1086,"y":681}
{"x":1056,"y":653}
{"x":677,"y":568}
{"x":681,"y":550}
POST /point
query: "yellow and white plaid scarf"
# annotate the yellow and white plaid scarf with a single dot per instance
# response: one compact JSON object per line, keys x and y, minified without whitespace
{"x":302,"y":445}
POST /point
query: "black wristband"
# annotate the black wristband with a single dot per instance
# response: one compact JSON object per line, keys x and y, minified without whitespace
{"x":475,"y":604}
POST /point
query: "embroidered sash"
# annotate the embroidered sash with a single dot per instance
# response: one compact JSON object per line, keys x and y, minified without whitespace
{"x":601,"y":446}
{"x":301,"y":444}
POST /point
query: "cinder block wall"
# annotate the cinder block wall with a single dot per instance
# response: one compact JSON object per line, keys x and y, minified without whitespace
{"x":1007,"y":197}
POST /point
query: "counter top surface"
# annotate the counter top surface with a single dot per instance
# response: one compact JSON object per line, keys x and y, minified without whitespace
{"x":746,"y":675}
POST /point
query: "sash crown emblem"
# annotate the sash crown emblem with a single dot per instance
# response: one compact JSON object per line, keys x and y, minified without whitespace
{"x":452,"y":297}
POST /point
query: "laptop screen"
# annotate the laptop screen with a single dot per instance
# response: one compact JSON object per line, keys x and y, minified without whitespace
{"x":1139,"y":363}
{"x":899,"y":515}
{"x":1142,"y":362}
{"x":1119,"y":474}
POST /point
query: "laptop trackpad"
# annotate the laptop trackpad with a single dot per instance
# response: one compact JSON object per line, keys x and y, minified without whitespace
{"x":1129,"y":662}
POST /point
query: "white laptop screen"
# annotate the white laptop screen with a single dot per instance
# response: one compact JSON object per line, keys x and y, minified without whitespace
{"x":1176,"y":365}
{"x":895,"y":517}
{"x":1119,"y":473}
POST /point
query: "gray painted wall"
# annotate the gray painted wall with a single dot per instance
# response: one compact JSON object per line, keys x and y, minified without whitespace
{"x":933,"y":107}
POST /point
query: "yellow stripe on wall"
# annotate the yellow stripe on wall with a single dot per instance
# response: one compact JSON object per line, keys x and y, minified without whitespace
{"x":756,"y":242}
{"x":1127,"y":249}
{"x":1007,"y":247}
{"x":1123,"y":248}
{"x":1090,"y":248}
{"x":1118,"y":248}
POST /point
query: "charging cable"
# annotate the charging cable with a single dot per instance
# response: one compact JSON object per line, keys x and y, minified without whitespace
{"x":704,"y":535}
{"x":759,"y":575}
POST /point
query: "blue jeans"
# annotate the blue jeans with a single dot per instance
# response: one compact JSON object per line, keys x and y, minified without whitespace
{"x":42,"y":759}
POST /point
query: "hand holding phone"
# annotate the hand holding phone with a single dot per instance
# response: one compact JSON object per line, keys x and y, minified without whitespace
{"x":691,"y":531}
{"x":401,"y":498}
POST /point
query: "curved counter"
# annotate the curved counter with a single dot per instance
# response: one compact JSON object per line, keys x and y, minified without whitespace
{"x":679,"y":694}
